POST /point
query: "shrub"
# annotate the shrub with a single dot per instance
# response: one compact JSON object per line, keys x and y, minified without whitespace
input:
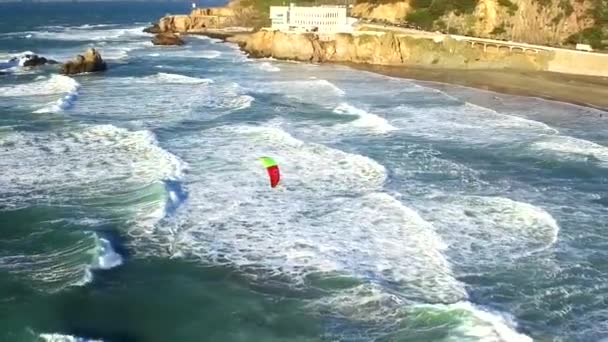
{"x":511,"y":7}
{"x":422,"y":18}
{"x":499,"y":30}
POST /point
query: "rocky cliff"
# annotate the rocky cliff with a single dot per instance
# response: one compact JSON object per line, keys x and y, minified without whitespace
{"x":234,"y":14}
{"x":533,"y":21}
{"x":383,"y":49}
{"x":391,"y":11}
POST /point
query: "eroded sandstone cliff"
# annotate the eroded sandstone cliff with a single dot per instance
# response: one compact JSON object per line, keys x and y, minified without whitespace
{"x":383,"y":49}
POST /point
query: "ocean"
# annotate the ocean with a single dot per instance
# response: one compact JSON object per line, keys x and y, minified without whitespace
{"x":133,"y":206}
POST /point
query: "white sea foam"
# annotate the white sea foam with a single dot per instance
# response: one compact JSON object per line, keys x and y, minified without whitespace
{"x":467,"y":123}
{"x":94,"y":160}
{"x":56,"y":84}
{"x":389,"y":314}
{"x":367,"y":120}
{"x":304,"y":225}
{"x":162,"y":77}
{"x":209,"y":54}
{"x":123,"y":170}
{"x":106,"y":256}
{"x":573,"y":149}
{"x":162,"y":98}
{"x":95,"y":34}
{"x":67,"y":100}
{"x":266,"y":66}
{"x":486,"y":231}
{"x":316,"y":91}
{"x":55,"y":337}
{"x":484,"y":325}
{"x":52,"y":270}
{"x":103,"y":258}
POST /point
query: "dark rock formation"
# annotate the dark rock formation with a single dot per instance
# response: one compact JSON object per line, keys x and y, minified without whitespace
{"x":167,"y":39}
{"x":30,"y":60}
{"x":152,"y":29}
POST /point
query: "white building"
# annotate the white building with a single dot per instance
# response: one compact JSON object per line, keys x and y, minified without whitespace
{"x":321,"y":19}
{"x":584,"y":47}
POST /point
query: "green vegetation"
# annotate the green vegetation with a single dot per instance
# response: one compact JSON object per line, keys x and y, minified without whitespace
{"x":557,"y":18}
{"x":544,"y":3}
{"x":511,"y":7}
{"x":592,"y":36}
{"x":427,"y":12}
{"x":499,"y":30}
{"x":566,"y":6}
{"x":422,"y":18}
{"x":367,"y":39}
{"x":596,"y":35}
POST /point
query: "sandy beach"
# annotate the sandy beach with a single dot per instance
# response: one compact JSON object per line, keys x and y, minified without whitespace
{"x":581,"y":90}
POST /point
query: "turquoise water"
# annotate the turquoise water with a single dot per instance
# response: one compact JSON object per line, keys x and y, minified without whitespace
{"x":132,"y":206}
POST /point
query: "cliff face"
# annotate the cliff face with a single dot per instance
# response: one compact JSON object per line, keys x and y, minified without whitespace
{"x":384,"y":49}
{"x":532,"y":21}
{"x":393,"y":12}
{"x":234,"y":14}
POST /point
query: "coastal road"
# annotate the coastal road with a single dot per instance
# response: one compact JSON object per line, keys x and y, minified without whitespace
{"x":440,"y":36}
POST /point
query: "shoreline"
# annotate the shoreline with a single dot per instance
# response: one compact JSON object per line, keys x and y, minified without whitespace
{"x":587,"y":91}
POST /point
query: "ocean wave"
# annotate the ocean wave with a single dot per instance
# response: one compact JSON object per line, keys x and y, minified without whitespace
{"x":71,"y":88}
{"x":367,"y":120}
{"x":122,"y":174}
{"x":93,"y":34}
{"x":104,"y":258}
{"x":162,"y":77}
{"x":487,"y":231}
{"x":266,"y":66}
{"x":305,"y":225}
{"x":55,"y":84}
{"x":209,"y":54}
{"x":66,"y":264}
{"x":174,"y":97}
{"x":328,"y":218}
{"x":92,"y":160}
{"x":386,"y":316}
{"x":466,"y":123}
{"x":317,"y":91}
{"x":571,"y":149}
{"x":55,"y":337}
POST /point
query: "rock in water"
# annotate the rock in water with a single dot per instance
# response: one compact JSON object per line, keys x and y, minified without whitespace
{"x":35,"y":60}
{"x":167,"y":39}
{"x":152,"y":29}
{"x":30,"y":60}
{"x":90,"y":62}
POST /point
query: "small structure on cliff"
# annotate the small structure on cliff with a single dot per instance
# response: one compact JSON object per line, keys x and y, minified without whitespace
{"x":321,"y":19}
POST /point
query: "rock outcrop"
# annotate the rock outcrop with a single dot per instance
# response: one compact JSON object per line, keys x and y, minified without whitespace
{"x":234,"y":14}
{"x":382,"y":49}
{"x":91,"y":61}
{"x":30,"y":60}
{"x":167,"y":39}
{"x":154,"y":29}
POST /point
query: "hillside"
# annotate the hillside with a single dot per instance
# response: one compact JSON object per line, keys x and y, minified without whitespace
{"x":548,"y":22}
{"x":551,"y":22}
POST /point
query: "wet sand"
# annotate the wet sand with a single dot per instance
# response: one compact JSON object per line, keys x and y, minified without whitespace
{"x":581,"y":90}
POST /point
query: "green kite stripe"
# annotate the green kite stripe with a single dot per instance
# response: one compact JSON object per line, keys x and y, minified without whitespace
{"x":267,"y":162}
